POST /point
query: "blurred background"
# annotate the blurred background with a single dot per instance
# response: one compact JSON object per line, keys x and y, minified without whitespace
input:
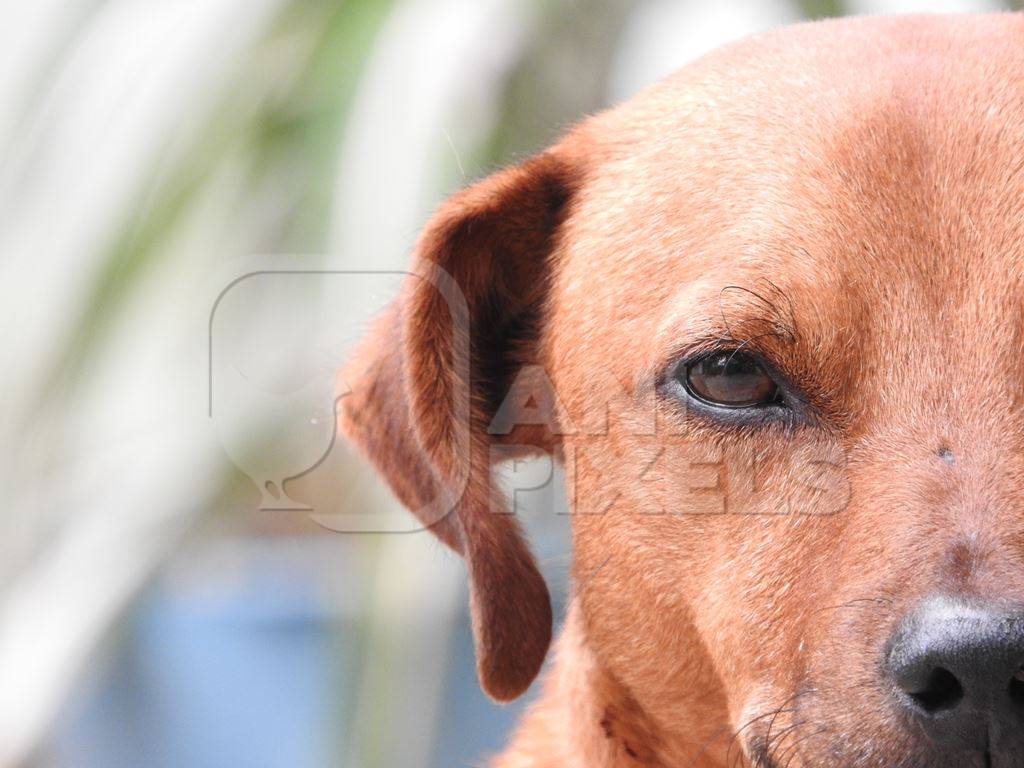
{"x":201,"y":203}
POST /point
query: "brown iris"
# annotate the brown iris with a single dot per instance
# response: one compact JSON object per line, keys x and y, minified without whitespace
{"x":731,"y":379}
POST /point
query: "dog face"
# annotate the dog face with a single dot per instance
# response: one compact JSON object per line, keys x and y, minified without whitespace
{"x":770,"y":314}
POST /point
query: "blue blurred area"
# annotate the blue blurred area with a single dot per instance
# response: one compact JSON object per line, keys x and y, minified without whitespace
{"x":258,"y":667}
{"x":474,"y":727}
{"x":244,"y":678}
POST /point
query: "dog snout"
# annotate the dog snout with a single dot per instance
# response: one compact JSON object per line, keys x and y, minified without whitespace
{"x":958,"y":669}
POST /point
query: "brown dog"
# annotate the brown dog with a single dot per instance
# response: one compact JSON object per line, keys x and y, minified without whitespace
{"x":770,"y":313}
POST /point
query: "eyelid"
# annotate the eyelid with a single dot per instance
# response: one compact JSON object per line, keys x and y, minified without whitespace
{"x":795,"y":409}
{"x":685,"y":370}
{"x":705,"y":347}
{"x":769,"y":367}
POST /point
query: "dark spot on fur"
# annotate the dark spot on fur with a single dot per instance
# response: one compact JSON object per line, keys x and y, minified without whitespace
{"x":947,"y":456}
{"x":962,"y":561}
{"x":606,"y":725}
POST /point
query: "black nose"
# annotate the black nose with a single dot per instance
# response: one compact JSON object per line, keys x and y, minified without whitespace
{"x":958,"y":667}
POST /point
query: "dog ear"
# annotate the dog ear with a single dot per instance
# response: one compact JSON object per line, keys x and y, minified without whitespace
{"x":426,"y":383}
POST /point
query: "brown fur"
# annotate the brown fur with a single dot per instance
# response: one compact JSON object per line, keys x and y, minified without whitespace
{"x":845,"y":197}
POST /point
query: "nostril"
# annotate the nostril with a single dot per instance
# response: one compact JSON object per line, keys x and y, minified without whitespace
{"x":1017,"y":687}
{"x":941,"y":692}
{"x":956,"y":671}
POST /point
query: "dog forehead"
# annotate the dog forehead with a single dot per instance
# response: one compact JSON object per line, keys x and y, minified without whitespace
{"x":770,"y":163}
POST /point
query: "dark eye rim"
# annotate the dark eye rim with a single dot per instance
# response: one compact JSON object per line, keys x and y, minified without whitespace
{"x":684,"y":370}
{"x":789,"y":408}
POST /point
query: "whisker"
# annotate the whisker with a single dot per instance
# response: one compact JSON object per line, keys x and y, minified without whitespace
{"x":858,"y":602}
{"x":772,"y":713}
{"x":793,"y":751}
{"x":781,"y":736}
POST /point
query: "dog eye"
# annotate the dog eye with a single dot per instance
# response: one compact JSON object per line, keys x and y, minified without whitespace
{"x":730,"y":379}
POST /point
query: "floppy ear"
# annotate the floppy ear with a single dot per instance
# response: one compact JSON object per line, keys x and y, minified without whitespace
{"x":427,"y":381}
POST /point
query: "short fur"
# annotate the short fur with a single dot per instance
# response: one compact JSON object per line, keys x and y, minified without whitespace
{"x":843,"y":197}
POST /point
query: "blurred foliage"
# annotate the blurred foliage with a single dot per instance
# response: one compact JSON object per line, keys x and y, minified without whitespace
{"x":821,"y":9}
{"x":562,"y":76}
{"x":280,"y":127}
